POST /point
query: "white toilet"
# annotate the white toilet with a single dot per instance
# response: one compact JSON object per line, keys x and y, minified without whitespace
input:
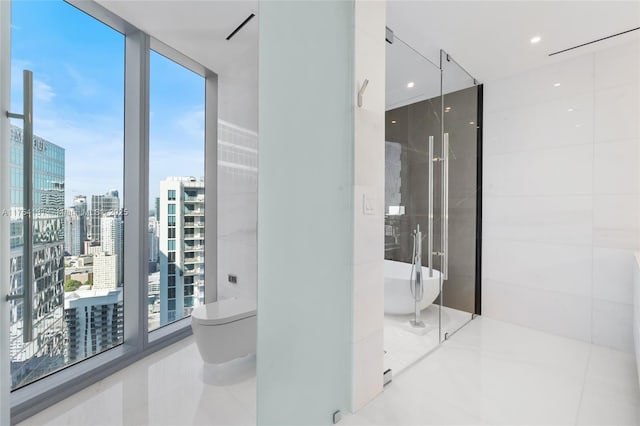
{"x":225,"y":330}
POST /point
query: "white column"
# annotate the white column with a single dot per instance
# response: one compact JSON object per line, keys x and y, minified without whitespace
{"x":5,"y":85}
{"x":320,"y":209}
{"x":305,"y":211}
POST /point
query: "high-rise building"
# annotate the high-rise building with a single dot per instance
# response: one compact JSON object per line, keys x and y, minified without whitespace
{"x":94,"y":320}
{"x":153,"y":244}
{"x":92,"y":248}
{"x":45,"y":351}
{"x":112,"y":238}
{"x":100,"y":206}
{"x":81,"y":208}
{"x":181,"y":233}
{"x":75,"y":226}
{"x":105,"y":271}
{"x":73,"y":232}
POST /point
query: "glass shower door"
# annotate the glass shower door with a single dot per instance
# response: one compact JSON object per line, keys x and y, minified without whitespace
{"x":458,"y":197}
{"x":412,"y":134}
{"x":431,"y":203}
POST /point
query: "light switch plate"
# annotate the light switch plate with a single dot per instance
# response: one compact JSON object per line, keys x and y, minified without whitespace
{"x":369,"y":204}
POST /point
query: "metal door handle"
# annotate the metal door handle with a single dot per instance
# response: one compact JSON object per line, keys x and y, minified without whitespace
{"x":430,"y":202}
{"x":445,"y":206}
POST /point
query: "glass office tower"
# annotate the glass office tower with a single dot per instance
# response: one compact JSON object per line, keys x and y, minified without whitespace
{"x":46,"y":351}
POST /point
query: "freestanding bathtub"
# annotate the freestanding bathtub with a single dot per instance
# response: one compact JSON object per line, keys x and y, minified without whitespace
{"x":397,"y":291}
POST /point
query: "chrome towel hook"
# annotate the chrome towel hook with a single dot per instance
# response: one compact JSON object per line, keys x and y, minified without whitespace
{"x":361,"y":91}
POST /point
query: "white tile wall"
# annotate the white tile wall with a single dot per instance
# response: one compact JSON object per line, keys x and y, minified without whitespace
{"x":238,"y":176}
{"x":616,"y":113}
{"x":613,"y":274}
{"x":617,"y":66}
{"x":557,"y":171}
{"x":237,"y":210}
{"x":636,"y":309}
{"x":547,"y":219}
{"x":367,"y":371}
{"x":613,"y":212}
{"x":368,"y":236}
{"x":561,"y":268}
{"x":549,"y":311}
{"x":369,"y":301}
{"x":562,"y":196}
{"x":612,"y":324}
{"x":615,"y":167}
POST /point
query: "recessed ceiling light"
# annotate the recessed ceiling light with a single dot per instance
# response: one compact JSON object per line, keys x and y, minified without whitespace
{"x":556,"y":85}
{"x":410,"y":84}
{"x":471,"y":122}
{"x":536,"y":39}
{"x":447,"y":109}
{"x":393,"y":121}
{"x":570,"y":110}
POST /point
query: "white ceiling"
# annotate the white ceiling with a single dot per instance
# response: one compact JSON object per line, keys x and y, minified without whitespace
{"x":197,"y":28}
{"x":491,"y":39}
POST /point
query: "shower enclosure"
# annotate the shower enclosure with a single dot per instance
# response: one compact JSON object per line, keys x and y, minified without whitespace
{"x":432,"y":181}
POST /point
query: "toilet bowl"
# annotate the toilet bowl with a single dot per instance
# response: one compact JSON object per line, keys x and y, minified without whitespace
{"x":225,"y":329}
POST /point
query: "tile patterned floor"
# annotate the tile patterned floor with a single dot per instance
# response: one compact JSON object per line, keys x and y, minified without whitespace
{"x":490,"y":372}
{"x":495,"y":373}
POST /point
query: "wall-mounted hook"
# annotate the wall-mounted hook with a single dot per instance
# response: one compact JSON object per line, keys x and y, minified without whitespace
{"x":361,"y":91}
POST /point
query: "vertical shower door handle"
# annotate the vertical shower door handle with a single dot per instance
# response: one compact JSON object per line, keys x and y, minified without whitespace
{"x":445,"y":206}
{"x":430,"y":203}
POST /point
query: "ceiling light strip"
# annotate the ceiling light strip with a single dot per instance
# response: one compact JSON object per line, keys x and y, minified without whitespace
{"x":594,"y":41}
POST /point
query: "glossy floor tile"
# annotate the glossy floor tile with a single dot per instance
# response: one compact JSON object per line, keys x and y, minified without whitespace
{"x":404,"y":345}
{"x":496,"y":373}
{"x":488,"y":373}
{"x":170,"y":387}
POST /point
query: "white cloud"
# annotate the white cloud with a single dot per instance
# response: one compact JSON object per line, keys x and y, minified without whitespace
{"x":93,"y":150}
{"x":82,"y":85}
{"x":173,"y":160}
{"x":192,"y":124}
{"x":42,"y":91}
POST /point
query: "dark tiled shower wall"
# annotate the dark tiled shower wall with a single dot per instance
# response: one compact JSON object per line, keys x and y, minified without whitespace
{"x":407,"y":184}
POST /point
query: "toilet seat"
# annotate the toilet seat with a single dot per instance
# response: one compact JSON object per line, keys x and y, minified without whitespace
{"x":223,"y":311}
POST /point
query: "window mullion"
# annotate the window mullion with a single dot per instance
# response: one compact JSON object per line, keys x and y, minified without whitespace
{"x":136,"y":188}
{"x":211,"y":185}
{"x":5,"y":72}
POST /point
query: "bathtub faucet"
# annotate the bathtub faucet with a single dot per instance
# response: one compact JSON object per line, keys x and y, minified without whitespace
{"x":417,"y":258}
{"x":417,"y":286}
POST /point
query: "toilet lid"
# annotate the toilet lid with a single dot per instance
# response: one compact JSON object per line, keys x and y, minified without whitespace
{"x":224,"y":311}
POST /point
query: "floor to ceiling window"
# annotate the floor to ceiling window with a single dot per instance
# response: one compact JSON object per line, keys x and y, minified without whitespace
{"x":176,"y":191}
{"x":75,"y":270}
{"x":81,"y":300}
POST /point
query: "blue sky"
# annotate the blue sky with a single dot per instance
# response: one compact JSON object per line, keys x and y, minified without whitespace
{"x":78,"y":66}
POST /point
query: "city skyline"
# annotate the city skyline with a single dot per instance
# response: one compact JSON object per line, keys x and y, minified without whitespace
{"x":103,"y":297}
{"x":78,"y":127}
{"x":79,"y":103}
